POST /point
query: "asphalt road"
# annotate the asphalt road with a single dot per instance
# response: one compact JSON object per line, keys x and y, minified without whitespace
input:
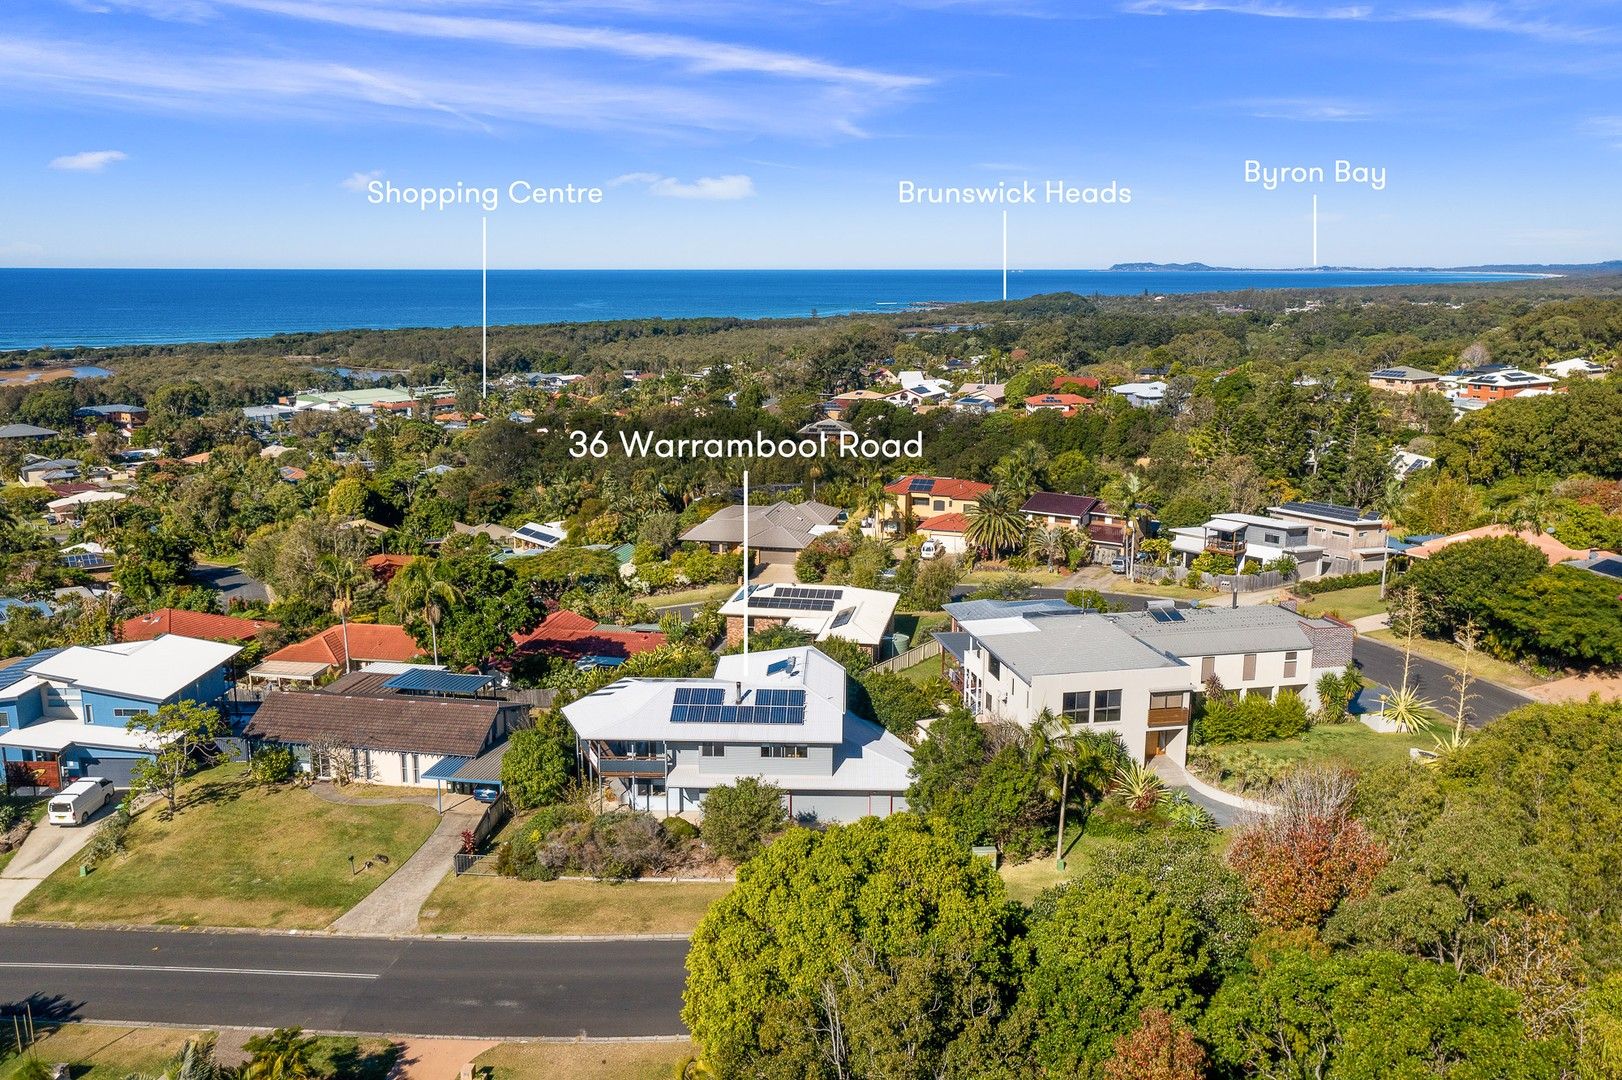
{"x":487,"y":989}
{"x":1383,"y":664}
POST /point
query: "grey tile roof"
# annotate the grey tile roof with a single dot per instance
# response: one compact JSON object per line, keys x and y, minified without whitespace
{"x":1219,"y":631}
{"x":780,"y":526}
{"x":968,"y":611}
{"x":1065,"y":645}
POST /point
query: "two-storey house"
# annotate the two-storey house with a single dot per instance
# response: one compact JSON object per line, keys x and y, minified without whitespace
{"x":781,"y":715}
{"x":1353,"y":541}
{"x":64,"y":713}
{"x":1252,"y":541}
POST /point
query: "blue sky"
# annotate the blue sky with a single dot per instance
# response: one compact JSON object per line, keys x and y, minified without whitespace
{"x":236,"y":132}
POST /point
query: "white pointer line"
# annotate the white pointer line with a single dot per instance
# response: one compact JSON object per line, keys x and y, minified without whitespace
{"x":190,"y":970}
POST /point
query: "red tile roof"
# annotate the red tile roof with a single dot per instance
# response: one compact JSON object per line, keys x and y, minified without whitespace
{"x":947,"y":487}
{"x":192,"y":624}
{"x":367,"y":641}
{"x":946,"y":523}
{"x":1086,"y":382}
{"x":1068,"y":402}
{"x":566,"y":633}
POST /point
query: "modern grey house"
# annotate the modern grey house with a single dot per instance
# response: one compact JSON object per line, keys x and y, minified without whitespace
{"x":662,"y":744}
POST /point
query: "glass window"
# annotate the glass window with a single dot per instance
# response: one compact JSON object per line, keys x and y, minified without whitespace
{"x":1289,"y":665}
{"x":1075,"y":706}
{"x":993,"y":668}
{"x":1106,"y":706}
{"x":712,"y":749}
{"x":1250,"y":666}
{"x":1171,"y":699}
{"x":1207,"y":668}
{"x":785,"y":751}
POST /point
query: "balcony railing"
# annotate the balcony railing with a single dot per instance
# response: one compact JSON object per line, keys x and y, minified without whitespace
{"x":1224,"y":547}
{"x":639,"y":765}
{"x":1172,"y":717}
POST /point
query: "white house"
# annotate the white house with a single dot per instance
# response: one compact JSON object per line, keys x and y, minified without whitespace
{"x":1143,"y":395}
{"x":1579,"y":367}
{"x":1135,"y":674}
{"x":917,"y":390}
{"x":662,"y":744}
{"x":863,"y":616}
{"x":533,"y":536}
{"x":1252,"y":541}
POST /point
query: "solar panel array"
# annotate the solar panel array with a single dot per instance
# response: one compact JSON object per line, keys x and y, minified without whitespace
{"x":430,"y":681}
{"x":921,"y":485}
{"x":1327,"y":510}
{"x":1165,"y":615}
{"x":86,"y":562}
{"x":797,"y":599}
{"x":703,"y":705}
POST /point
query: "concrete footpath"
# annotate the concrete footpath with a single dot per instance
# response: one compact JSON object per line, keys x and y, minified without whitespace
{"x":393,"y":907}
{"x":46,"y":849}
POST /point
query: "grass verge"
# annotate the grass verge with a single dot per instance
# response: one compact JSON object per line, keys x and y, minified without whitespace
{"x":116,"y":1052}
{"x":238,"y":855}
{"x":1482,"y":667}
{"x":585,"y":1061}
{"x":500,"y":905}
{"x":1351,"y":745}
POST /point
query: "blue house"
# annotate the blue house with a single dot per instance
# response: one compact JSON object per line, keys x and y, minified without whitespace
{"x":64,"y":712}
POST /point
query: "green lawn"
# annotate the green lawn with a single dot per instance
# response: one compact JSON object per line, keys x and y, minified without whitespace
{"x":1040,"y":577}
{"x":115,"y":1052}
{"x":585,"y":1061}
{"x":1352,"y":745}
{"x":500,"y":905}
{"x":924,"y":671}
{"x":1347,"y":604}
{"x":918,"y":626}
{"x":238,"y":855}
{"x":1152,"y":588}
{"x":692,"y":596}
{"x":1481,"y":666}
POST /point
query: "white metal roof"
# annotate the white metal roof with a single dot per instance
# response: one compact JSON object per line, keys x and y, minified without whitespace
{"x":145,"y":670}
{"x":639,"y":710}
{"x":53,"y":736}
{"x":859,"y":615}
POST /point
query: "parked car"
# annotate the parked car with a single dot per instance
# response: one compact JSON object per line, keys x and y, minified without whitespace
{"x":79,"y":800}
{"x":930,"y":550}
{"x":1117,"y":565}
{"x":486,"y":794}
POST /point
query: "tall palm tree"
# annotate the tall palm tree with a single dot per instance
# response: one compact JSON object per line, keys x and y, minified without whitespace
{"x":422,"y":588}
{"x":872,"y":499}
{"x":1019,"y":473}
{"x":341,"y":577}
{"x":1051,"y":751}
{"x":1126,"y":493}
{"x":995,"y":523}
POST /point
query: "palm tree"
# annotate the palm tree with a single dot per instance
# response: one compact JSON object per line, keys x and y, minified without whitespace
{"x":995,"y":523}
{"x":1020,"y":471}
{"x":341,"y":577}
{"x":872,"y":499}
{"x":1051,"y":750}
{"x":1052,"y":544}
{"x":1531,"y":511}
{"x":284,"y":1054}
{"x":421,"y":588}
{"x":1126,"y":494}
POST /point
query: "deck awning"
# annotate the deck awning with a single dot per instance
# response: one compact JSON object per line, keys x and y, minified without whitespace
{"x":484,"y":769}
{"x":295,"y":670}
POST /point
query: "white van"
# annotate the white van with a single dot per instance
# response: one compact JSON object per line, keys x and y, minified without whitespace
{"x":930,"y":550}
{"x":79,"y":800}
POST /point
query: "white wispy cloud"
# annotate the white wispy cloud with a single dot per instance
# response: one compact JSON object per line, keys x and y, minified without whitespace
{"x":231,"y":84}
{"x":717,"y":188}
{"x":1542,"y":21}
{"x":1321,"y":110}
{"x":88,"y":160}
{"x":1606,"y":128}
{"x":357,"y":181}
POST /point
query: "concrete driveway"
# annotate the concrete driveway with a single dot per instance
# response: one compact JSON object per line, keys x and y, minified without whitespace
{"x":393,"y":907}
{"x":47,"y":848}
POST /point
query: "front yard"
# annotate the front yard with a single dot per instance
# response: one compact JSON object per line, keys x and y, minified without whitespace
{"x":1351,"y":745}
{"x":238,"y":855}
{"x":586,"y":1061}
{"x":502,"y":905}
{"x":1346,"y":604}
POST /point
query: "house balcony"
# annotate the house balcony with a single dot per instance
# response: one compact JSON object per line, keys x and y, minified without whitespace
{"x":1217,"y":546}
{"x":1174,"y":717}
{"x":639,"y":766}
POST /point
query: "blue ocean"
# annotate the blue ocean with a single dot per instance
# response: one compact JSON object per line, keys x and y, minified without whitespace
{"x":66,"y":308}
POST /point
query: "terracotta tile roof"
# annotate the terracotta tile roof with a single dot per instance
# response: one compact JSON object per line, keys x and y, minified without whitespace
{"x":367,"y":641}
{"x":1552,"y":549}
{"x":947,"y":487}
{"x":946,"y":523}
{"x":1085,"y":381}
{"x":192,"y":624}
{"x":460,"y":727}
{"x":566,"y":633}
